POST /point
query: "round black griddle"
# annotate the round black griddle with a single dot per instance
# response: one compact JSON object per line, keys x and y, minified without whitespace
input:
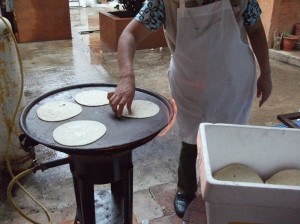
{"x":122,"y":133}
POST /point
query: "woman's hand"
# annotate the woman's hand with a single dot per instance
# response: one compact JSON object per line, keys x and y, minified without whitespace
{"x":264,"y":88}
{"x":123,"y":95}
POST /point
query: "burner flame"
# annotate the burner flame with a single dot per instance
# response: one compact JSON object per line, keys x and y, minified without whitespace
{"x":171,"y":123}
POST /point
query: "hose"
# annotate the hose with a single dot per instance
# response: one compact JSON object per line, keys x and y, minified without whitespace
{"x":28,"y":171}
{"x":13,"y":203}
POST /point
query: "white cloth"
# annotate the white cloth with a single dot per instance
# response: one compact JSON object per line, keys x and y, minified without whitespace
{"x":212,"y":71}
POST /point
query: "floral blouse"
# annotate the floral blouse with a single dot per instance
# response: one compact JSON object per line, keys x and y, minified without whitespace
{"x":152,"y":14}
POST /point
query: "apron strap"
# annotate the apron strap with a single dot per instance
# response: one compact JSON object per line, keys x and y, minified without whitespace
{"x":182,"y":4}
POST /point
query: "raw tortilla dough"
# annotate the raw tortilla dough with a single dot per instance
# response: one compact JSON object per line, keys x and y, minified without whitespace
{"x":141,"y":109}
{"x":237,"y":173}
{"x":76,"y":133}
{"x":286,"y":177}
{"x":58,"y":111}
{"x":92,"y":98}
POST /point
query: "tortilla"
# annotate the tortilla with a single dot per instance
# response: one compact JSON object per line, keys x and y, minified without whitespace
{"x":58,"y":111}
{"x":141,"y":109}
{"x":237,"y":173}
{"x":92,"y":98}
{"x":286,"y":177}
{"x":77,"y":133}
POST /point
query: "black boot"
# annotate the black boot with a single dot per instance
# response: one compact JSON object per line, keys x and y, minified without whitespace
{"x":187,"y":181}
{"x":181,"y":203}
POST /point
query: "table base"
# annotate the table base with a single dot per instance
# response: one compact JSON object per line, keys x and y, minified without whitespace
{"x":116,"y":169}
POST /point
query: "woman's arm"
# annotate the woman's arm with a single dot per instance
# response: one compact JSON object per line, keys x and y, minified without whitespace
{"x":123,"y":95}
{"x":259,"y":45}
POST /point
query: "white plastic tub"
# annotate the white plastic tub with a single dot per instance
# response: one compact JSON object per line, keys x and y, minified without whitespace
{"x":266,"y":150}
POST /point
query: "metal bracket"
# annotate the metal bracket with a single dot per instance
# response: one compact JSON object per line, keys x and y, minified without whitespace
{"x":27,"y":143}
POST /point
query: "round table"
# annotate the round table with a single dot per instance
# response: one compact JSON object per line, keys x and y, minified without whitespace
{"x":107,"y":160}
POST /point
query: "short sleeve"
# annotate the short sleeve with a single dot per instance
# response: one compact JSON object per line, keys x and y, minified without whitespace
{"x":152,"y":14}
{"x":252,"y":13}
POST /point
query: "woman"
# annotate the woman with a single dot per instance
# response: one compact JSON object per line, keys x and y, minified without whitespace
{"x":212,"y":70}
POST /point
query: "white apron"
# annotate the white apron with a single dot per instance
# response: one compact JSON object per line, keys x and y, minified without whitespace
{"x":212,"y":71}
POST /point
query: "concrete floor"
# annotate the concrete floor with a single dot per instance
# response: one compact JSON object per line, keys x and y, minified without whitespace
{"x":54,"y":64}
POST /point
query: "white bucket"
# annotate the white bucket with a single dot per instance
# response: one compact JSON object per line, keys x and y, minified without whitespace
{"x":266,"y":150}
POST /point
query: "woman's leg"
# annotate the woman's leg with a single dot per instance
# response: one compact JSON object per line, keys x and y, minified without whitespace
{"x":187,"y":180}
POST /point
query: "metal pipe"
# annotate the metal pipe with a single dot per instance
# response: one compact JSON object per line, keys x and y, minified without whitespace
{"x":51,"y":164}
